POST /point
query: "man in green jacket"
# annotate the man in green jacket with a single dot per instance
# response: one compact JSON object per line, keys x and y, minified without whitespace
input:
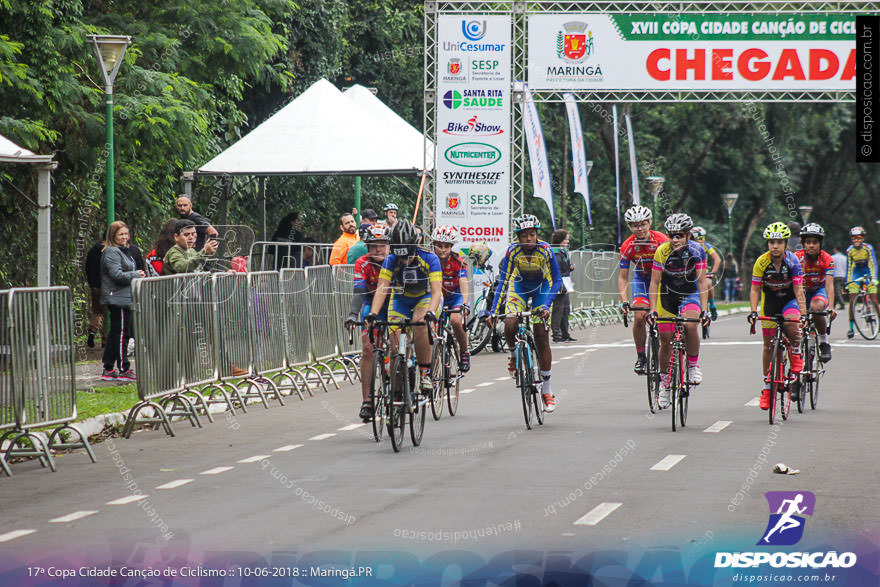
{"x":182,"y":257}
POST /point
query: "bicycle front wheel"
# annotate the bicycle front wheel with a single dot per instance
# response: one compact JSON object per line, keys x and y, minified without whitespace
{"x":784,"y":385}
{"x":525,"y":380}
{"x":864,"y":315}
{"x":675,"y":382}
{"x":806,"y":376}
{"x":815,"y":380}
{"x":452,"y":376}
{"x":438,"y":387}
{"x":653,"y":374}
{"x":397,"y":403}
{"x":378,"y":396}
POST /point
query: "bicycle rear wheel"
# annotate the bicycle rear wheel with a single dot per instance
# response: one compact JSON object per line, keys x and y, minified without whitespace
{"x":865,"y":317}
{"x":452,"y":376}
{"x":479,"y":332}
{"x":653,"y":375}
{"x":437,"y":388}
{"x":417,"y":409}
{"x":397,"y":403}
{"x":525,"y":380}
{"x":379,"y":396}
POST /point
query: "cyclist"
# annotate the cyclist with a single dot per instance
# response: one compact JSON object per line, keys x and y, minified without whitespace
{"x":777,"y":285}
{"x":366,"y":279}
{"x":699,"y":234}
{"x":860,"y":262}
{"x":456,"y":289}
{"x":529,"y":276}
{"x":417,"y":295}
{"x":390,"y":212}
{"x":678,"y":269}
{"x":818,"y":269}
{"x":639,"y":250}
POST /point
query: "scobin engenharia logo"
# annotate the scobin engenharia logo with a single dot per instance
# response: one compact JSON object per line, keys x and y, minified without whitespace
{"x":786,"y":528}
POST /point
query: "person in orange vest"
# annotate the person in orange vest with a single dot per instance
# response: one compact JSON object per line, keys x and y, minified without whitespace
{"x":349,"y":236}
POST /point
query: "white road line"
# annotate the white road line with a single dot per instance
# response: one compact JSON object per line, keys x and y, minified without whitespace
{"x":486,"y":384}
{"x":288,"y":447}
{"x":350,"y":427}
{"x":127,"y":499}
{"x":254,"y":459}
{"x":216,"y":470}
{"x":597,"y":514}
{"x":566,"y":358}
{"x":323,"y":436}
{"x":752,"y":403}
{"x":15,"y":534}
{"x":73,"y":517}
{"x":668,"y":462}
{"x":174,"y":484}
{"x":468,"y":390}
{"x":718,"y":426}
{"x":554,"y":362}
{"x":502,"y":378}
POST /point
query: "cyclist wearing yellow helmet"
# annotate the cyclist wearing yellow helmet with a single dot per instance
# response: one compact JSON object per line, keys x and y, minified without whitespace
{"x":777,"y":286}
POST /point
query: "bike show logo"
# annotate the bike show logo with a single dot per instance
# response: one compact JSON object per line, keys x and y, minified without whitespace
{"x":472,"y":154}
{"x":786,"y":525}
{"x":484,"y":99}
{"x":473,"y":30}
{"x":473,"y":127}
{"x":574,"y":43}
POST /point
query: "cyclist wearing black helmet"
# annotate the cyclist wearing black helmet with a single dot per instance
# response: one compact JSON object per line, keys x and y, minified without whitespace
{"x":818,"y":269}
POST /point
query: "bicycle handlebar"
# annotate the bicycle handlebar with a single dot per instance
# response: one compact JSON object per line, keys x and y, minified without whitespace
{"x":777,"y":319}
{"x":633,"y":309}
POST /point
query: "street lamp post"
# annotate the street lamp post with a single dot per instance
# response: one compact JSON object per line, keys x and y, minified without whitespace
{"x":805,"y":212}
{"x":655,"y":184}
{"x":730,"y":202}
{"x":109,"y":50}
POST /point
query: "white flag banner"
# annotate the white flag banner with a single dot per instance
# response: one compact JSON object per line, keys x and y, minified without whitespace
{"x":616,"y":168}
{"x":578,"y":153}
{"x":633,"y":169}
{"x":537,"y":153}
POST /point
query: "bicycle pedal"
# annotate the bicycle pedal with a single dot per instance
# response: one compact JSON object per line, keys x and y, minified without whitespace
{"x":684,"y":393}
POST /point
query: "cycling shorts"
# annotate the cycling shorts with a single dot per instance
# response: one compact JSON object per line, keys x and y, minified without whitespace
{"x":365,"y":309}
{"x":788,"y":307}
{"x":640,"y":291}
{"x":817,"y":294}
{"x":678,"y":303}
{"x":858,"y":272}
{"x":452,"y":301}
{"x":528,"y":295}
{"x":401,"y":307}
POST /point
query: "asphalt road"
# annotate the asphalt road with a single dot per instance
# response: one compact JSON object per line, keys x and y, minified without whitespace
{"x":601,"y":473}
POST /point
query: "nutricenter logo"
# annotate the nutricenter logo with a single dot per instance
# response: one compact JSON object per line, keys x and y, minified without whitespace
{"x":472,"y":154}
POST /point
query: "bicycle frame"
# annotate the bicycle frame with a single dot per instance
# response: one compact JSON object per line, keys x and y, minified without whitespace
{"x":779,"y":381}
{"x":679,"y":386}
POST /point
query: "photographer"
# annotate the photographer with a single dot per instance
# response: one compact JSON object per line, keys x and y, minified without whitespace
{"x":183,"y":257}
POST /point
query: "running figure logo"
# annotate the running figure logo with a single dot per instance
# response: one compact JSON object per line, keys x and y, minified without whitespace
{"x":787,"y":511}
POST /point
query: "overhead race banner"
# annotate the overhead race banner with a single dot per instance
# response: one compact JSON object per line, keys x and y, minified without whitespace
{"x":541,"y":184}
{"x":578,"y":153}
{"x":473,"y":128}
{"x":734,"y":51}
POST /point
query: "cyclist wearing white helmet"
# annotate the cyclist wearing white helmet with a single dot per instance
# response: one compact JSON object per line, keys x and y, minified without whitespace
{"x":698,"y":233}
{"x":861,"y":263}
{"x":818,"y":269}
{"x":638,"y":250}
{"x":456,"y":291}
{"x":678,"y":270}
{"x":390,"y":211}
{"x":529,"y":277}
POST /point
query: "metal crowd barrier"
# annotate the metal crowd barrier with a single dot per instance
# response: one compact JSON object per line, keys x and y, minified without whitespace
{"x":275,"y":256}
{"x":297,"y":340}
{"x":266,"y":327}
{"x":38,"y":382}
{"x":343,"y":287}
{"x":323,"y":313}
{"x":594,"y":300}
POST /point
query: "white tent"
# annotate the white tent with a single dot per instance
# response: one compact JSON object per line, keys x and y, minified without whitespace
{"x":12,"y":153}
{"x":323,"y":132}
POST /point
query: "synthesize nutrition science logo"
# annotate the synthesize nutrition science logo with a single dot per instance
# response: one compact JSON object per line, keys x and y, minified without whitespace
{"x":786,"y":528}
{"x":472,"y":154}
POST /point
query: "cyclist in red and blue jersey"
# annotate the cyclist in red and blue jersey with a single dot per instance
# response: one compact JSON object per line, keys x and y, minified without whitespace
{"x":366,"y":280}
{"x":456,"y":290}
{"x":413,"y":278}
{"x":698,"y":233}
{"x":529,"y":277}
{"x":777,"y":285}
{"x":638,"y":251}
{"x":818,"y":270}
{"x":861,"y":262}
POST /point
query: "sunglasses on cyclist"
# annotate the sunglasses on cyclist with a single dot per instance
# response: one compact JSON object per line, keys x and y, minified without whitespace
{"x":677,"y":235}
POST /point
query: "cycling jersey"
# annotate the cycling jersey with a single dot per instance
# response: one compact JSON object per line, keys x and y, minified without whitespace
{"x":815,"y":270}
{"x":709,"y":249}
{"x":415,"y":279}
{"x":535,"y":274}
{"x":366,"y":276}
{"x":454,"y":270}
{"x":679,"y":268}
{"x":860,"y":262}
{"x":777,"y":283}
{"x":641,"y":254}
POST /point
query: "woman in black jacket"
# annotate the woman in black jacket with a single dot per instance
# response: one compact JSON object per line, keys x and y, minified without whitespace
{"x":118,"y":269}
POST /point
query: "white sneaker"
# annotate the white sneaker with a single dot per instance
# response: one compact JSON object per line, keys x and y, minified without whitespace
{"x":425,"y":383}
{"x":695,"y":376}
{"x":663,"y":395}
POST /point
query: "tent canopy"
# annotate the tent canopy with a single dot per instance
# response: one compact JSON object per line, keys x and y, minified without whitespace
{"x":12,"y":153}
{"x":324,"y":132}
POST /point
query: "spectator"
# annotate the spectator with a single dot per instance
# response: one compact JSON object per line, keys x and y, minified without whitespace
{"x":92,"y":268}
{"x":562,"y":304}
{"x":289,"y":230}
{"x":368,"y":218}
{"x":839,"y":278}
{"x":164,"y":242}
{"x":117,"y":272}
{"x":359,"y":249}
{"x":731,"y":272}
{"x":794,"y":243}
{"x":308,"y":254}
{"x":183,"y":256}
{"x":390,"y":214}
{"x":349,"y":237}
{"x":203,"y":226}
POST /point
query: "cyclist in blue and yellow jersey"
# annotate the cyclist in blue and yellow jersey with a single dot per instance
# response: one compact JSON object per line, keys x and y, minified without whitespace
{"x":777,"y":288}
{"x":414,"y":280}
{"x":698,"y":233}
{"x":529,"y":277}
{"x":456,"y":290}
{"x":818,"y":269}
{"x":860,"y":262}
{"x":678,"y":271}
{"x":638,"y":250}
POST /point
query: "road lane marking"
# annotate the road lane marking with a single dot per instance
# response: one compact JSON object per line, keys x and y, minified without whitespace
{"x":73,"y":517}
{"x":486,"y":384}
{"x":502,"y":378}
{"x":466,"y":391}
{"x":566,"y":358}
{"x":753,"y":403}
{"x":15,"y":534}
{"x":254,"y":459}
{"x":597,"y":514}
{"x":718,"y":426}
{"x":553,"y":362}
{"x":216,"y":470}
{"x":287,"y":448}
{"x":668,"y":462}
{"x":127,"y":499}
{"x":350,"y":427}
{"x":323,"y":436}
{"x":174,"y":484}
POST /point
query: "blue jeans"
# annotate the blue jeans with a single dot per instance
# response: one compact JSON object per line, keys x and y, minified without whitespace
{"x":729,"y":288}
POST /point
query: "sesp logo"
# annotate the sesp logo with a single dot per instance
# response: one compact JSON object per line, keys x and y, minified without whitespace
{"x":787,"y":511}
{"x":473,"y":30}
